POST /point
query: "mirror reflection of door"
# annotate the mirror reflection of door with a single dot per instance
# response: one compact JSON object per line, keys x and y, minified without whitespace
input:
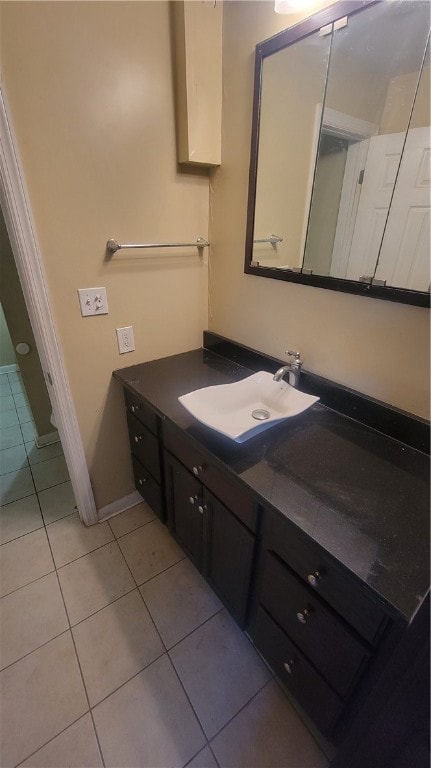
{"x":376,"y":184}
{"x":373,"y":77}
{"x":404,"y":259}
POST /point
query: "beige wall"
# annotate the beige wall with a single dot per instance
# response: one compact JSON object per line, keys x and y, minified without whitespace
{"x":90,"y":90}
{"x":20,"y":331}
{"x":398,"y":103}
{"x":377,"y":347}
{"x":288,"y":129}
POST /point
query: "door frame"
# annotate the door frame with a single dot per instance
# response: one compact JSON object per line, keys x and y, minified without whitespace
{"x":18,"y":216}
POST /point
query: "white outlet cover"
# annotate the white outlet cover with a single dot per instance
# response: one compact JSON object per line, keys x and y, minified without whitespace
{"x":93,"y":301}
{"x":125,"y":338}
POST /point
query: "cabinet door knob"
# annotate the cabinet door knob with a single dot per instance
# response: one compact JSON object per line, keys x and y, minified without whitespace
{"x":191,"y":499}
{"x":313,"y":579}
{"x":138,"y":438}
{"x":288,"y":665}
{"x":202,"y":508}
{"x":142,"y":480}
{"x":134,"y":408}
{"x":302,"y":616}
{"x":197,"y":470}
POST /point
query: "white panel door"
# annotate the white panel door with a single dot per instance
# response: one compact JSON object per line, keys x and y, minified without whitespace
{"x":405,"y":256}
{"x":380,"y":172}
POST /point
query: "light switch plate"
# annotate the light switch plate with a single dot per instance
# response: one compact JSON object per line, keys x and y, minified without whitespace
{"x":126,"y":341}
{"x":93,"y":301}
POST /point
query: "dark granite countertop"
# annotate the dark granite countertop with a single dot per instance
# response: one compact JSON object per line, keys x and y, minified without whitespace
{"x":362,"y":496}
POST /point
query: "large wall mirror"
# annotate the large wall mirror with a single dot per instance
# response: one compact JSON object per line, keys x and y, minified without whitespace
{"x":339,"y":186}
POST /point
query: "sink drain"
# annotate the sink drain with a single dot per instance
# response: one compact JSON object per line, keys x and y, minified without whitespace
{"x":260,"y":414}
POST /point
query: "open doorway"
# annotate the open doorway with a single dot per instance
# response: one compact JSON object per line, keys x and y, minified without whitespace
{"x":34,"y":478}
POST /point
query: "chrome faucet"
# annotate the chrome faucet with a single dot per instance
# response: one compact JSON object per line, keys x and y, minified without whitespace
{"x":293,"y":369}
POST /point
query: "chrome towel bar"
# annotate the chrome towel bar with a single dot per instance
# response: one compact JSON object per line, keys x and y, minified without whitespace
{"x":112,"y":246}
{"x":273,"y":239}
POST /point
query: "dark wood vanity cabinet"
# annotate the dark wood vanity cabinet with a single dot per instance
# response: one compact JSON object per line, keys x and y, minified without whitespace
{"x":317,"y":628}
{"x":144,"y":439}
{"x":324,"y":632}
{"x":209,"y":531}
{"x":208,"y":513}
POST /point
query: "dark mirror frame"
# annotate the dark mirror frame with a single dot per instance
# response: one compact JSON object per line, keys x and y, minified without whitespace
{"x":264,"y":49}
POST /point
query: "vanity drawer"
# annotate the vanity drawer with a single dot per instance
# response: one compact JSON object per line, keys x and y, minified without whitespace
{"x":228,"y":491}
{"x":324,"y":638}
{"x":148,"y":488}
{"x":309,"y":689}
{"x":321,"y":574}
{"x":144,"y":445}
{"x":136,"y":407}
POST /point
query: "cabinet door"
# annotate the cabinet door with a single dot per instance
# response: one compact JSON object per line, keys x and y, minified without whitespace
{"x":228,"y":555}
{"x":184,"y":508}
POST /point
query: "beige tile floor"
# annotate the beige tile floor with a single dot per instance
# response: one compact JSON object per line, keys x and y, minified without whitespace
{"x":113,"y":649}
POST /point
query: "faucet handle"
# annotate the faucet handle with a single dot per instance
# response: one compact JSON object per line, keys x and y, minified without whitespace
{"x":296,"y":355}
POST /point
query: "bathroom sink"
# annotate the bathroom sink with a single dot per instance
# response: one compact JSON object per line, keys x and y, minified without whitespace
{"x":245,"y":408}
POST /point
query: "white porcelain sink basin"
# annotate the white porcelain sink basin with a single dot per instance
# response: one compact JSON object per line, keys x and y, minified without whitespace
{"x":245,"y":408}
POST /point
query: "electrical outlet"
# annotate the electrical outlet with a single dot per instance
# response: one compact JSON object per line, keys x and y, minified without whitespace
{"x":126,"y":341}
{"x":93,"y":301}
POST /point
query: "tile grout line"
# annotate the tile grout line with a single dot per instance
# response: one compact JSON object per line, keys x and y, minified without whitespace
{"x":77,"y":657}
{"x":139,"y":591}
{"x":123,"y":535}
{"x":129,"y":679}
{"x":68,"y":630}
{"x":303,"y":720}
{"x":219,"y":610}
{"x":38,"y":647}
{"x":52,"y":739}
{"x":165,"y":652}
{"x":164,"y":646}
{"x":90,"y":615}
{"x":21,"y":536}
{"x":271,"y":680}
{"x":198,"y":753}
{"x":33,"y":581}
{"x":236,"y":713}
{"x":214,"y":756}
{"x":173,"y":665}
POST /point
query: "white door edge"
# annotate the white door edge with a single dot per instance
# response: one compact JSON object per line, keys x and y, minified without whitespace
{"x":19,"y":222}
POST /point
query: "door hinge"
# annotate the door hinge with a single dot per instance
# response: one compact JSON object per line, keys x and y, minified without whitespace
{"x":361,"y":176}
{"x":48,"y":376}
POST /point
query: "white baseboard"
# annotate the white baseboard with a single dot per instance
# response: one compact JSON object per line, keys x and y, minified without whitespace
{"x":51,"y":437}
{"x":8,"y":368}
{"x":119,"y":506}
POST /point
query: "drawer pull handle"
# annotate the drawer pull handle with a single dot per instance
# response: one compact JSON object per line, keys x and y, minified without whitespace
{"x":138,"y":438}
{"x":313,"y":579}
{"x":135,"y":408}
{"x":302,"y":616}
{"x":191,"y":499}
{"x":142,"y":480}
{"x":202,"y":508}
{"x":288,"y":665}
{"x":197,"y":470}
